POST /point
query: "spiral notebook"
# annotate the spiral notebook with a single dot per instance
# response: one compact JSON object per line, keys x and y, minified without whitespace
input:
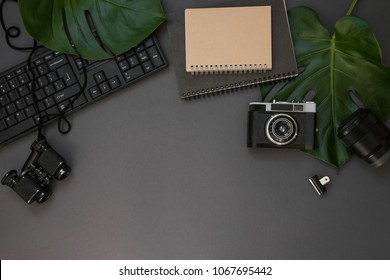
{"x":228,"y":40}
{"x":284,"y":64}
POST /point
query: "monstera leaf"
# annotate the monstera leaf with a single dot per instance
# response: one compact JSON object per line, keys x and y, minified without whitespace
{"x":336,"y":67}
{"x":120,"y":24}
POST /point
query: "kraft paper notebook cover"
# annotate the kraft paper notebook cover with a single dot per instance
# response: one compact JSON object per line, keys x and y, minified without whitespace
{"x":283,"y":57}
{"x":228,"y":40}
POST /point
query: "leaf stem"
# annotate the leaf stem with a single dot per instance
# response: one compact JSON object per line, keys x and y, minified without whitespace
{"x":353,"y":4}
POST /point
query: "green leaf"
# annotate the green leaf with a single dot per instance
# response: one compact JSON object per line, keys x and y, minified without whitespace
{"x":120,"y":24}
{"x":335,"y":65}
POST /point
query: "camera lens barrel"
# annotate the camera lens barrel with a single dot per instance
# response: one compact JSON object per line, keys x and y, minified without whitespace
{"x":281,"y":129}
{"x":366,"y":136}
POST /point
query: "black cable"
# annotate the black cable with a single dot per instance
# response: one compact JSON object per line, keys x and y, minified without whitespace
{"x":64,"y":126}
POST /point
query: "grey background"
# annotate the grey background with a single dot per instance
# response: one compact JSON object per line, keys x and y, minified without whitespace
{"x":155,"y":177}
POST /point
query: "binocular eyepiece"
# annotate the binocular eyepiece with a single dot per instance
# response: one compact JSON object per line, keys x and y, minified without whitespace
{"x":49,"y":160}
{"x":26,"y":187}
{"x":42,"y":166}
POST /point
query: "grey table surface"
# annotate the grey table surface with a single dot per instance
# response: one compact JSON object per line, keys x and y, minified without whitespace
{"x":155,"y":177}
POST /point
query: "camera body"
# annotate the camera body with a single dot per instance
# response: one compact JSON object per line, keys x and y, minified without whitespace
{"x":42,"y":166}
{"x":281,"y":125}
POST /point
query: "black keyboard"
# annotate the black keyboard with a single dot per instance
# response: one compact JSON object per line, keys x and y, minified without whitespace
{"x":59,"y":77}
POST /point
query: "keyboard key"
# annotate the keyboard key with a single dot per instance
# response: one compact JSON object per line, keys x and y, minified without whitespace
{"x":66,"y":93}
{"x":2,"y":126}
{"x":49,"y":89}
{"x":94,"y":92}
{"x":3,"y":113}
{"x":79,"y":101}
{"x":13,"y":83}
{"x":21,"y":104}
{"x":9,"y":76}
{"x":78,"y":63}
{"x":99,"y":77}
{"x":37,"y":118}
{"x":39,"y":61}
{"x":63,"y":105}
{"x":104,"y":87}
{"x":59,"y":85}
{"x":13,"y":95}
{"x":49,"y":101}
{"x":155,"y":57}
{"x":19,"y":71}
{"x":16,"y":130}
{"x":147,"y":66}
{"x":42,"y":81}
{"x":49,"y":56}
{"x":11,"y":108}
{"x":148,"y":42}
{"x":120,"y":57}
{"x":52,"y":112}
{"x":30,"y":111}
{"x":23,"y":78}
{"x":57,"y":62}
{"x":4,"y":100}
{"x":40,"y":94}
{"x":143,"y":56}
{"x":124,"y":65}
{"x":133,"y":60}
{"x":114,"y":82}
{"x":20,"y":116}
{"x":133,"y":73}
{"x":66,"y":73}
{"x":139,"y":48}
{"x":52,"y":76}
{"x":41,"y":106}
{"x":4,"y":88}
{"x":11,"y":120}
{"x":29,"y":99}
{"x":42,"y":69}
{"x":23,"y":90}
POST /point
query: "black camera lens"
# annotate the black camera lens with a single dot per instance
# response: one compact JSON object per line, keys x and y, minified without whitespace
{"x":281,"y":129}
{"x":366,"y":136}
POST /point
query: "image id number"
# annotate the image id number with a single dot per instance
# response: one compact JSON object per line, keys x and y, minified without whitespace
{"x":232,"y":270}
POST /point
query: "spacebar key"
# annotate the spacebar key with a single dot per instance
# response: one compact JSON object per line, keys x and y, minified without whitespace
{"x":66,"y":93}
{"x":16,"y":130}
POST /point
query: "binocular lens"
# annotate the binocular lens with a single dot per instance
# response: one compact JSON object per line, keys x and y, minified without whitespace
{"x":62,"y":171}
{"x":365,"y":135}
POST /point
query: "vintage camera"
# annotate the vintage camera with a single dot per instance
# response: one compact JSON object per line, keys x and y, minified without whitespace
{"x":42,"y":166}
{"x":281,"y":125}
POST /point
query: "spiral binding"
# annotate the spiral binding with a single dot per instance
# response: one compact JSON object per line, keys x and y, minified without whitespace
{"x":239,"y":85}
{"x":228,"y":69}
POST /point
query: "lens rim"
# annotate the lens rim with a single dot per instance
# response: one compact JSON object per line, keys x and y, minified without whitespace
{"x":270,"y":123}
{"x":7,"y":179}
{"x":352,"y":122}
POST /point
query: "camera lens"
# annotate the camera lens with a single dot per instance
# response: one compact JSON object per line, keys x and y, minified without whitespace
{"x":365,"y":135}
{"x":281,"y":129}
